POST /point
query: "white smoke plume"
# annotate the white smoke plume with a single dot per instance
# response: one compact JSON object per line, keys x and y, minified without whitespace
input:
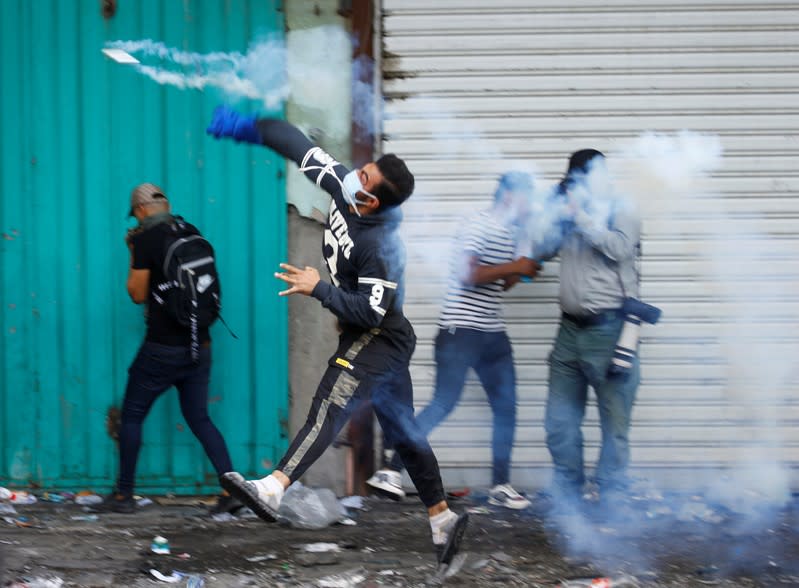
{"x":259,"y":74}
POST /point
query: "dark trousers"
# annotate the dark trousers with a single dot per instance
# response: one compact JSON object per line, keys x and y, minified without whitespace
{"x":491,"y":356}
{"x":340,"y":392}
{"x":155,"y":369}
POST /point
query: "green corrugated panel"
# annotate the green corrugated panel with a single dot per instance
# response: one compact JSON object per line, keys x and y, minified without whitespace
{"x":78,"y":132}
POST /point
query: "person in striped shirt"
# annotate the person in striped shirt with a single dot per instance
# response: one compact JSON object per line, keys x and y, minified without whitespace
{"x":472,"y":332}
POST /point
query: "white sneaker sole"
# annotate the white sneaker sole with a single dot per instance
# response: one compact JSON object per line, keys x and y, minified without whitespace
{"x":386,"y":490}
{"x":513,"y":505}
{"x":247,"y":494}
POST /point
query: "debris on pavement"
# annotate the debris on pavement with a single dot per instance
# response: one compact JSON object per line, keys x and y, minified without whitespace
{"x":54,"y":582}
{"x":260,"y":558}
{"x":309,"y":508}
{"x":320,"y":547}
{"x":355,"y":502}
{"x":160,"y":545}
{"x":347,"y":579}
{"x":7,"y":509}
{"x":615,"y":582}
{"x":19,"y":497}
{"x":88,"y":499}
{"x":391,"y":547}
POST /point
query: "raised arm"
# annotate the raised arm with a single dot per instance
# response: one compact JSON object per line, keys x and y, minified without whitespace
{"x":283,"y":138}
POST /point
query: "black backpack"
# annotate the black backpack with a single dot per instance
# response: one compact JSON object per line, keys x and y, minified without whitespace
{"x":190,"y":292}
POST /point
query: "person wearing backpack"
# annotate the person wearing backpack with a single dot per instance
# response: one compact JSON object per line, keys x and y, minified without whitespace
{"x":172,"y":271}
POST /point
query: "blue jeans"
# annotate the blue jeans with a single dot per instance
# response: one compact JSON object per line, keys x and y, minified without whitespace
{"x":580,"y":358}
{"x":156,"y":369}
{"x":491,"y":356}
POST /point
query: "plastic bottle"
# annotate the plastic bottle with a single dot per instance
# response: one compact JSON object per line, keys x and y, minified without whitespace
{"x":160,"y":545}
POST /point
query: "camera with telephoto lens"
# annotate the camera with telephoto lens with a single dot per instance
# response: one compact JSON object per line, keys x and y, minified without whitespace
{"x":635,"y":312}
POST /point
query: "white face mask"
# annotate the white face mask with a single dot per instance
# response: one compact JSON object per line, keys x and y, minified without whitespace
{"x":352,"y":185}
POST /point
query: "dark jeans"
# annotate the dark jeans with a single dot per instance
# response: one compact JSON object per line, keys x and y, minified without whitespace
{"x":491,"y":356}
{"x":581,"y":357}
{"x":340,"y":392}
{"x":155,"y":369}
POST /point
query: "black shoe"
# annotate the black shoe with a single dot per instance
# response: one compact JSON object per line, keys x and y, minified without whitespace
{"x":246,"y":492}
{"x":448,"y":550}
{"x":117,"y":502}
{"x":225,"y":503}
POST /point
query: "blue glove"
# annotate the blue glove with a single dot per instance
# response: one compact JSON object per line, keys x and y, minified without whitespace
{"x":226,"y":122}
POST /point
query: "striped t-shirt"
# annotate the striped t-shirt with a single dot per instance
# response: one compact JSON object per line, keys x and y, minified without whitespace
{"x":479,"y":306}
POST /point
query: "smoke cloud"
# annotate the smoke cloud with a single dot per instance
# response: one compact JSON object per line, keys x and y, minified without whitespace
{"x":259,"y":74}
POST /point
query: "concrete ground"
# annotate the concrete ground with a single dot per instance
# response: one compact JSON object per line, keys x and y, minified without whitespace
{"x":654,"y":543}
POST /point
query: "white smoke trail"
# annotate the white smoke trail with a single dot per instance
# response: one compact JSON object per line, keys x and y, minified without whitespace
{"x":258,"y":74}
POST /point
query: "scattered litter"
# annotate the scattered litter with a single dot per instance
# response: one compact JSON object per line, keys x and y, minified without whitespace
{"x":7,"y":509}
{"x":320,"y":547}
{"x":480,"y":564}
{"x":306,"y":508}
{"x":481,"y":510}
{"x":55,"y":497}
{"x":461,"y":493}
{"x":388,"y":573}
{"x":355,"y":502}
{"x":698,"y":511}
{"x":502,"y":556}
{"x":195,"y":581}
{"x":5,"y":493}
{"x":160,"y":545}
{"x":21,"y":498}
{"x":173,"y":578}
{"x":88,"y":499}
{"x":346,"y":579}
{"x":259,"y":558}
{"x":223,"y":517}
{"x":144,"y":501}
{"x":88,"y":518}
{"x":52,"y":582}
{"x":348,"y":522}
{"x":617,"y":582}
{"x":184,"y":555}
{"x":22,"y":522}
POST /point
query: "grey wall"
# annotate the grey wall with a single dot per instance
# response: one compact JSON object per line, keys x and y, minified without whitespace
{"x":325,"y":105}
{"x":312,"y":339}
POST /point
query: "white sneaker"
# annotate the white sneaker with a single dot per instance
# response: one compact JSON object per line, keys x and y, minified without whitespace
{"x":505,"y":495}
{"x":387,"y":483}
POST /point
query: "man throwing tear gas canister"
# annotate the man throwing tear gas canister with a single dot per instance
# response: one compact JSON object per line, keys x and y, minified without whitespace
{"x":365,"y":259}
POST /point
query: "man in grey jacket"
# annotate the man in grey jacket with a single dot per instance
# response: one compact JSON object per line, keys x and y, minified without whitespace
{"x":598,"y":257}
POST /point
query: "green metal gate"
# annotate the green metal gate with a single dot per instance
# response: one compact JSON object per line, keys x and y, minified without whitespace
{"x":78,"y":132}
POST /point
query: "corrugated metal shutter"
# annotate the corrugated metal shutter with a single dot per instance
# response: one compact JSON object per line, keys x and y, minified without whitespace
{"x":78,"y":132}
{"x":472,"y":87}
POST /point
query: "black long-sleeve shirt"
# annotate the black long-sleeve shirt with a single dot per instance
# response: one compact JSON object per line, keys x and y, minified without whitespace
{"x":364,"y":254}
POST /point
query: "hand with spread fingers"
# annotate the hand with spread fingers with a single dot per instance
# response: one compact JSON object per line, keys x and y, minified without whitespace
{"x":302,"y":281}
